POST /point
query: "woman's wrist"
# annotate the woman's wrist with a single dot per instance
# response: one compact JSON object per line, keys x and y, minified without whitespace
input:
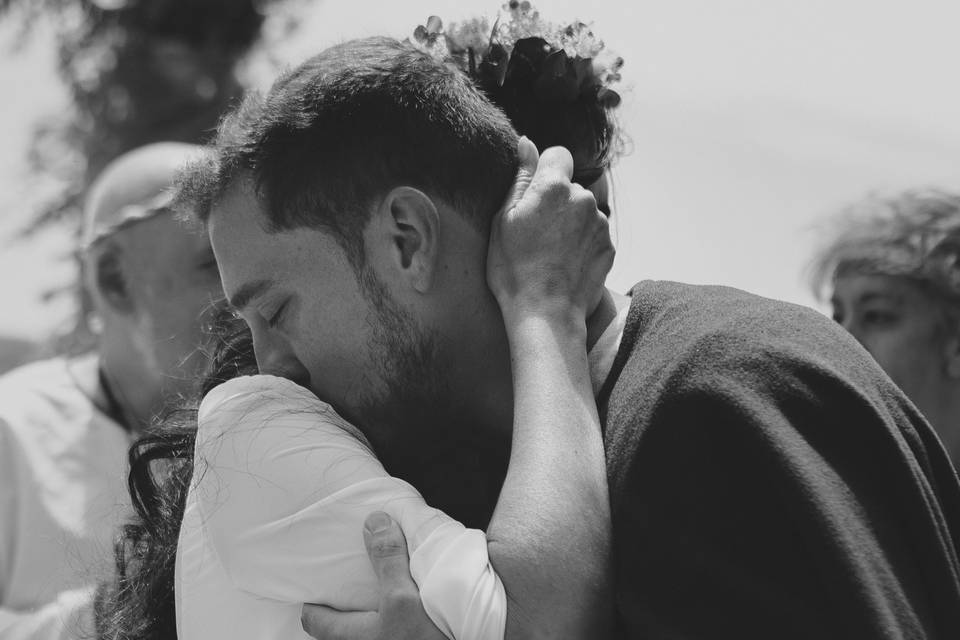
{"x":554,"y":310}
{"x":556,"y":315}
{"x":536,"y":328}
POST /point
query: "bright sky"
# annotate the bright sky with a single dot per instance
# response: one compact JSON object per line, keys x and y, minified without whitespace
{"x":751,"y":120}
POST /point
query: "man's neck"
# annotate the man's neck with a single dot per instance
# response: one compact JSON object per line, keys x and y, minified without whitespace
{"x":606,"y":311}
{"x":465,"y":480}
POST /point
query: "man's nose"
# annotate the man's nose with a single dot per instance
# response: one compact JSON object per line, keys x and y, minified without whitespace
{"x":276,"y":358}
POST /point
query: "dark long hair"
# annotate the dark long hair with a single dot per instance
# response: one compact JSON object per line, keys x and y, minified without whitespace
{"x":139,"y":603}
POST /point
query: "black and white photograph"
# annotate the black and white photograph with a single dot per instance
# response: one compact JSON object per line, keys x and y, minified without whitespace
{"x":479,"y":320}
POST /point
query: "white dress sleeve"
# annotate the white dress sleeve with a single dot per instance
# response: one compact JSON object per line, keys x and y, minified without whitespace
{"x":283,"y":485}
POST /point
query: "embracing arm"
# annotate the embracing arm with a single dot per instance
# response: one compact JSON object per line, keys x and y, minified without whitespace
{"x":550,"y":534}
{"x":281,"y":487}
{"x":549,"y":538}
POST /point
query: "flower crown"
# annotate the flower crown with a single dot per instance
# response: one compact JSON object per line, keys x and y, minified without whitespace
{"x":564,"y":63}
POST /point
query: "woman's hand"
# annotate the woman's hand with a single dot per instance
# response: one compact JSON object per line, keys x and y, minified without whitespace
{"x":550,"y":248}
{"x":549,"y":254}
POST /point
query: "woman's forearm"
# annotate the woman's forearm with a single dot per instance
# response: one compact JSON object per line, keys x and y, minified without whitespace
{"x":549,"y":538}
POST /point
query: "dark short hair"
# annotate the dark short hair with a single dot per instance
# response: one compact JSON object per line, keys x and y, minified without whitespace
{"x":913,"y":235}
{"x":351,"y":123}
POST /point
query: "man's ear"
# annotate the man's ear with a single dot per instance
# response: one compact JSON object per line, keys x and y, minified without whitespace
{"x":111,"y":282}
{"x":413,"y":228}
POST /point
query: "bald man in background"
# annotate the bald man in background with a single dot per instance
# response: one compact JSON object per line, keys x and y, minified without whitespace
{"x":66,"y":423}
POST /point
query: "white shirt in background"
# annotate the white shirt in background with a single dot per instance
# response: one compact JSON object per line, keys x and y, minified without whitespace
{"x":62,"y":495}
{"x":274,"y":518}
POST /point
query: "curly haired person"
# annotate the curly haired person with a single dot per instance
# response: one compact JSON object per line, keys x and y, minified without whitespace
{"x":892,"y":276}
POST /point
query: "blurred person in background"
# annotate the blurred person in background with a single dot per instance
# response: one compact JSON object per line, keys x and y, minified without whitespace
{"x":66,"y":423}
{"x":892,"y":276}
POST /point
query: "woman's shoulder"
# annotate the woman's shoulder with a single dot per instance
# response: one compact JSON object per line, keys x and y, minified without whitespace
{"x":266,"y":406}
{"x":267,"y":448}
{"x":246,"y":393}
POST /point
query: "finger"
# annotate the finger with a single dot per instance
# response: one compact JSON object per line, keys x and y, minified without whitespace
{"x":555,"y":162}
{"x":387,"y":549}
{"x":325,"y":623}
{"x":529,"y":157}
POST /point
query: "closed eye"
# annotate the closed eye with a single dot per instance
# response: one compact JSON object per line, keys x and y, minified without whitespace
{"x":274,"y":321}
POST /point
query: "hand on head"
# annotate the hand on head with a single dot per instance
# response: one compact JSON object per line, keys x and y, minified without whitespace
{"x":401,"y":615}
{"x":550,"y":247}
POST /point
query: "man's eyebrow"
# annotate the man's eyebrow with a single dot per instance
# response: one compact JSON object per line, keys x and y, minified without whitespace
{"x":248,"y":292}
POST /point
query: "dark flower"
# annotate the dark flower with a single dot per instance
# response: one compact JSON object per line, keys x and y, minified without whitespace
{"x":427,"y":35}
{"x":564,"y":68}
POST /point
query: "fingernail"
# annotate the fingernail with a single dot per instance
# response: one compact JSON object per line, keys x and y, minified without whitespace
{"x":527,"y":151}
{"x":377,"y":521}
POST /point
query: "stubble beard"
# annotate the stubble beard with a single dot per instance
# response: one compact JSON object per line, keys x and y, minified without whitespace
{"x":419,"y":429}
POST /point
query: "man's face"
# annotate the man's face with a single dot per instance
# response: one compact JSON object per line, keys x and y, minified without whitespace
{"x":312,"y":318}
{"x":399,"y":368}
{"x":173,"y":282}
{"x":899,"y":324}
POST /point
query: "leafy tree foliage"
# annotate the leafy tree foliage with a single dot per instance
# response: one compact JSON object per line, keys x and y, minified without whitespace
{"x":137,"y":71}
